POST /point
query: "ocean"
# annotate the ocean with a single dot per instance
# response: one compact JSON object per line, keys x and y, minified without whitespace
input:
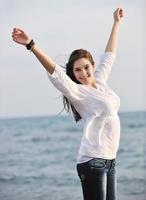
{"x":38,"y":158}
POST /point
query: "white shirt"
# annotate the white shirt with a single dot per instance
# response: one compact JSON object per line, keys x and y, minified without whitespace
{"x":97,"y":107}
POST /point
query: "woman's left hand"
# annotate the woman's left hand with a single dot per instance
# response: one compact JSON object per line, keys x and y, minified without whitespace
{"x":118,"y":14}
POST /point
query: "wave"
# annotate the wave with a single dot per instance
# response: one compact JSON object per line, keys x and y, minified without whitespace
{"x":40,"y":139}
{"x":8,"y":178}
{"x":14,"y":178}
{"x":134,"y":125}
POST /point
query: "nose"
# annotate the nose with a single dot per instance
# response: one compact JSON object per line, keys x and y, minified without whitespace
{"x":84,"y":73}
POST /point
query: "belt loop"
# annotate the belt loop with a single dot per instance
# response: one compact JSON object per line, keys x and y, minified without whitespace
{"x":112,"y":162}
{"x":111,"y":165}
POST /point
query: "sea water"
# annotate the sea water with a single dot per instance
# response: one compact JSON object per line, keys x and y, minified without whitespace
{"x":38,"y":158}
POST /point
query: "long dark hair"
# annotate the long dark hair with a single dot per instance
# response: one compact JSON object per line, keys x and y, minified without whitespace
{"x":75,"y":55}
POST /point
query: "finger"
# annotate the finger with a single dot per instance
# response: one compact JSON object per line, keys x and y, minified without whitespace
{"x":15,"y":34}
{"x":121,"y":13}
{"x":15,"y":31}
{"x":18,"y":29}
{"x":117,"y":10}
{"x":14,"y":39}
{"x":120,"y":10}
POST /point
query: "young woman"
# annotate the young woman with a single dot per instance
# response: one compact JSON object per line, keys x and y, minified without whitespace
{"x":89,"y":97}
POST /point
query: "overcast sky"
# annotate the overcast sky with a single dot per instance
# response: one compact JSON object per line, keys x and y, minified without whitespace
{"x":59,"y":27}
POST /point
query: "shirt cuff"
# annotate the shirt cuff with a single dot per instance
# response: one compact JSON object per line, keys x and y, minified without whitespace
{"x":110,"y":53}
{"x":55,"y":72}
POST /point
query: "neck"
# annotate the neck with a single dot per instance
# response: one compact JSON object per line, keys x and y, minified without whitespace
{"x":94,"y":84}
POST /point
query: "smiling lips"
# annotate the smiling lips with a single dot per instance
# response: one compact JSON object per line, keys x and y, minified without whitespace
{"x":85,"y":78}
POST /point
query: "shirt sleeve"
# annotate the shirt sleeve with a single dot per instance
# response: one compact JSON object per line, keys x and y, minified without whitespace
{"x":105,"y":65}
{"x":63,"y":82}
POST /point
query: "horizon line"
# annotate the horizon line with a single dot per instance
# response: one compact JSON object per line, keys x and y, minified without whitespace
{"x":60,"y":115}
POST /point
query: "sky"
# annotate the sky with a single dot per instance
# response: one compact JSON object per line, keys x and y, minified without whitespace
{"x":59,"y":27}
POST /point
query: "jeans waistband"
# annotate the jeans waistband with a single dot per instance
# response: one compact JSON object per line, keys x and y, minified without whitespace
{"x":106,"y":161}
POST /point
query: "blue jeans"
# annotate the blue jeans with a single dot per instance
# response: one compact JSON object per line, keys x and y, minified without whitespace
{"x":98,"y":179}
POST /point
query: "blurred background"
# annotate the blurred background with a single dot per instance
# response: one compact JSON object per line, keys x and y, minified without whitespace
{"x":59,"y":27}
{"x":32,"y":164}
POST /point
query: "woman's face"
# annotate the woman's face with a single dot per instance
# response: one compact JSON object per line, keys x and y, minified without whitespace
{"x":84,"y":71}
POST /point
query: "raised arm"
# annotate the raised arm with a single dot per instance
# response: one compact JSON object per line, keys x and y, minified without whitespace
{"x":113,"y":39}
{"x":55,"y":73}
{"x":21,"y":37}
{"x":103,"y":70}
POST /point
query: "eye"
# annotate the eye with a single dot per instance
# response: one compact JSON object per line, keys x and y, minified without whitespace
{"x":77,"y":70}
{"x":87,"y":67}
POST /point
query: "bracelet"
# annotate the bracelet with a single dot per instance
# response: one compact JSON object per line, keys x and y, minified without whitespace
{"x":30,"y":45}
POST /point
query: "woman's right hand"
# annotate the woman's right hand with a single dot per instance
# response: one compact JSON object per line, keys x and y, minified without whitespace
{"x":20,"y":37}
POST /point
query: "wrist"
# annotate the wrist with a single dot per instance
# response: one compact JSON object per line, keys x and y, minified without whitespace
{"x":116,"y":24}
{"x":117,"y":21}
{"x":30,"y":45}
